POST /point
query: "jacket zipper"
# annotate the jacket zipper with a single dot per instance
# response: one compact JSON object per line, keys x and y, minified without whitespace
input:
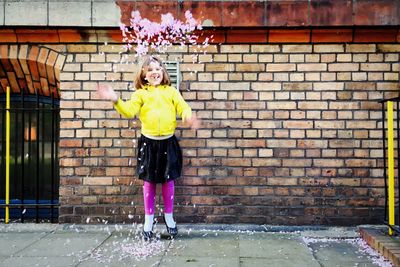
{"x":158,"y":109}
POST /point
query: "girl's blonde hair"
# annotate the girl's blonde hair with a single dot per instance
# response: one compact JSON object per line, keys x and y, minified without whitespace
{"x":140,"y":78}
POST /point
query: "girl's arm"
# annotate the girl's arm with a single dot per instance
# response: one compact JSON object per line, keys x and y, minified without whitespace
{"x":194,"y":122}
{"x":128,"y":108}
{"x":106,"y":92}
{"x":184,"y":110}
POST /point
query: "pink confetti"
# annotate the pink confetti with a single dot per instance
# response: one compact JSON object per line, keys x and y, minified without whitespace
{"x":160,"y":36}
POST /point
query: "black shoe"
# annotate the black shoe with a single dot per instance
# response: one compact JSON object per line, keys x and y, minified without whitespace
{"x":171,"y":231}
{"x":147,"y":235}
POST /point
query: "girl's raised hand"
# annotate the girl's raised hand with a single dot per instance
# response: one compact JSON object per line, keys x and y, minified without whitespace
{"x":194,"y":122}
{"x":106,"y":92}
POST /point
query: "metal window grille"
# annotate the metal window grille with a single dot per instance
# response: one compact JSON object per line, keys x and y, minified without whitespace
{"x":174,"y":73}
{"x":34,"y":169}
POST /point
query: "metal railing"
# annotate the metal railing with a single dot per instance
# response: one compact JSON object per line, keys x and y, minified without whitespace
{"x":29,"y":165}
{"x":390,"y":160}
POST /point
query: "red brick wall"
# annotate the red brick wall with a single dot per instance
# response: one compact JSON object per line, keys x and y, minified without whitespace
{"x":290,"y":135}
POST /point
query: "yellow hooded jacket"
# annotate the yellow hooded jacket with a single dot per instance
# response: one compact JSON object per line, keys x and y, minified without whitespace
{"x":157,"y":108}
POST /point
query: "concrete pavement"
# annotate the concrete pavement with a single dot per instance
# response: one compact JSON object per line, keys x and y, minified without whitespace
{"x":196,"y":245}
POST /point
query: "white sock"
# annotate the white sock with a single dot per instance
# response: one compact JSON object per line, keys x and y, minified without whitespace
{"x":169,"y":219}
{"x":148,"y":223}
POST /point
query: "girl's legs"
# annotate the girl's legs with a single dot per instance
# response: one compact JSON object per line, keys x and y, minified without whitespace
{"x":168,"y":198}
{"x":149,"y":196}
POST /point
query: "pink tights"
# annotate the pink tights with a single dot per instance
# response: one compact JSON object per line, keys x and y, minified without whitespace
{"x":149,"y":195}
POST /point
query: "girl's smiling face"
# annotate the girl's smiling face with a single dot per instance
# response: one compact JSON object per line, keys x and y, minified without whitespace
{"x":154,"y":74}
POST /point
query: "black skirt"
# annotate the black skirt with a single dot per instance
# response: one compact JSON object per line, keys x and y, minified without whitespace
{"x":158,"y":161}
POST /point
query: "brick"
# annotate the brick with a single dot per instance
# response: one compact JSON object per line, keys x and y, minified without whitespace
{"x":343,"y":67}
{"x":280,"y":67}
{"x":235,"y":48}
{"x":220,"y":67}
{"x":265,"y":86}
{"x":80,"y":48}
{"x":361,"y":125}
{"x":70,"y":143}
{"x":244,"y":36}
{"x":375,"y":67}
{"x":235,"y":86}
{"x":332,"y":35}
{"x":297,"y":163}
{"x":297,"y":86}
{"x":360,"y":57}
{"x":281,"y":58}
{"x":204,"y":86}
{"x":250,"y":105}
{"x":265,"y":48}
{"x":250,"y":143}
{"x":345,"y":182}
{"x":312,"y":144}
{"x":289,"y":35}
{"x":296,"y":48}
{"x":344,"y":76}
{"x":70,"y":162}
{"x":360,"y":48}
{"x":284,"y":181}
{"x":8,"y":36}
{"x":344,"y":143}
{"x":296,"y":77}
{"x":281,"y":105}
{"x":235,"y":76}
{"x":391,"y":57}
{"x":312,"y":67}
{"x":281,"y":77}
{"x":344,"y":57}
{"x":236,"y":124}
{"x":374,"y":35}
{"x":235,"y":58}
{"x":339,"y":48}
{"x":263,"y":124}
{"x":281,"y":143}
{"x":97,"y":67}
{"x":388,"y":86}
{"x":250,"y":67}
{"x":265,"y":58}
{"x":297,"y":124}
{"x":375,"y":57}
{"x":250,"y":76}
{"x":329,"y":86}
{"x":359,"y":76}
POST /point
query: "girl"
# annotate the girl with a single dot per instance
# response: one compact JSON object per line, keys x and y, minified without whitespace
{"x":159,"y":158}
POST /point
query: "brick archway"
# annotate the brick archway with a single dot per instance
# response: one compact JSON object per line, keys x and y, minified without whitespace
{"x":32,"y":68}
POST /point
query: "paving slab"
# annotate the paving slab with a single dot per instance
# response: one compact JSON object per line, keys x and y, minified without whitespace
{"x":11,"y":242}
{"x":39,"y":261}
{"x":272,"y":246}
{"x":90,"y":262}
{"x":252,"y":262}
{"x":126,"y":248}
{"x":339,"y":253}
{"x":122,"y":245}
{"x":205,"y":244}
{"x":332,"y":232}
{"x":173,"y":261}
{"x":65,"y":244}
{"x":2,"y":259}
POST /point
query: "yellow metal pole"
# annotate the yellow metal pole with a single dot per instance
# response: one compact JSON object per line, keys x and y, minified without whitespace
{"x":390,"y":164}
{"x":7,"y":154}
